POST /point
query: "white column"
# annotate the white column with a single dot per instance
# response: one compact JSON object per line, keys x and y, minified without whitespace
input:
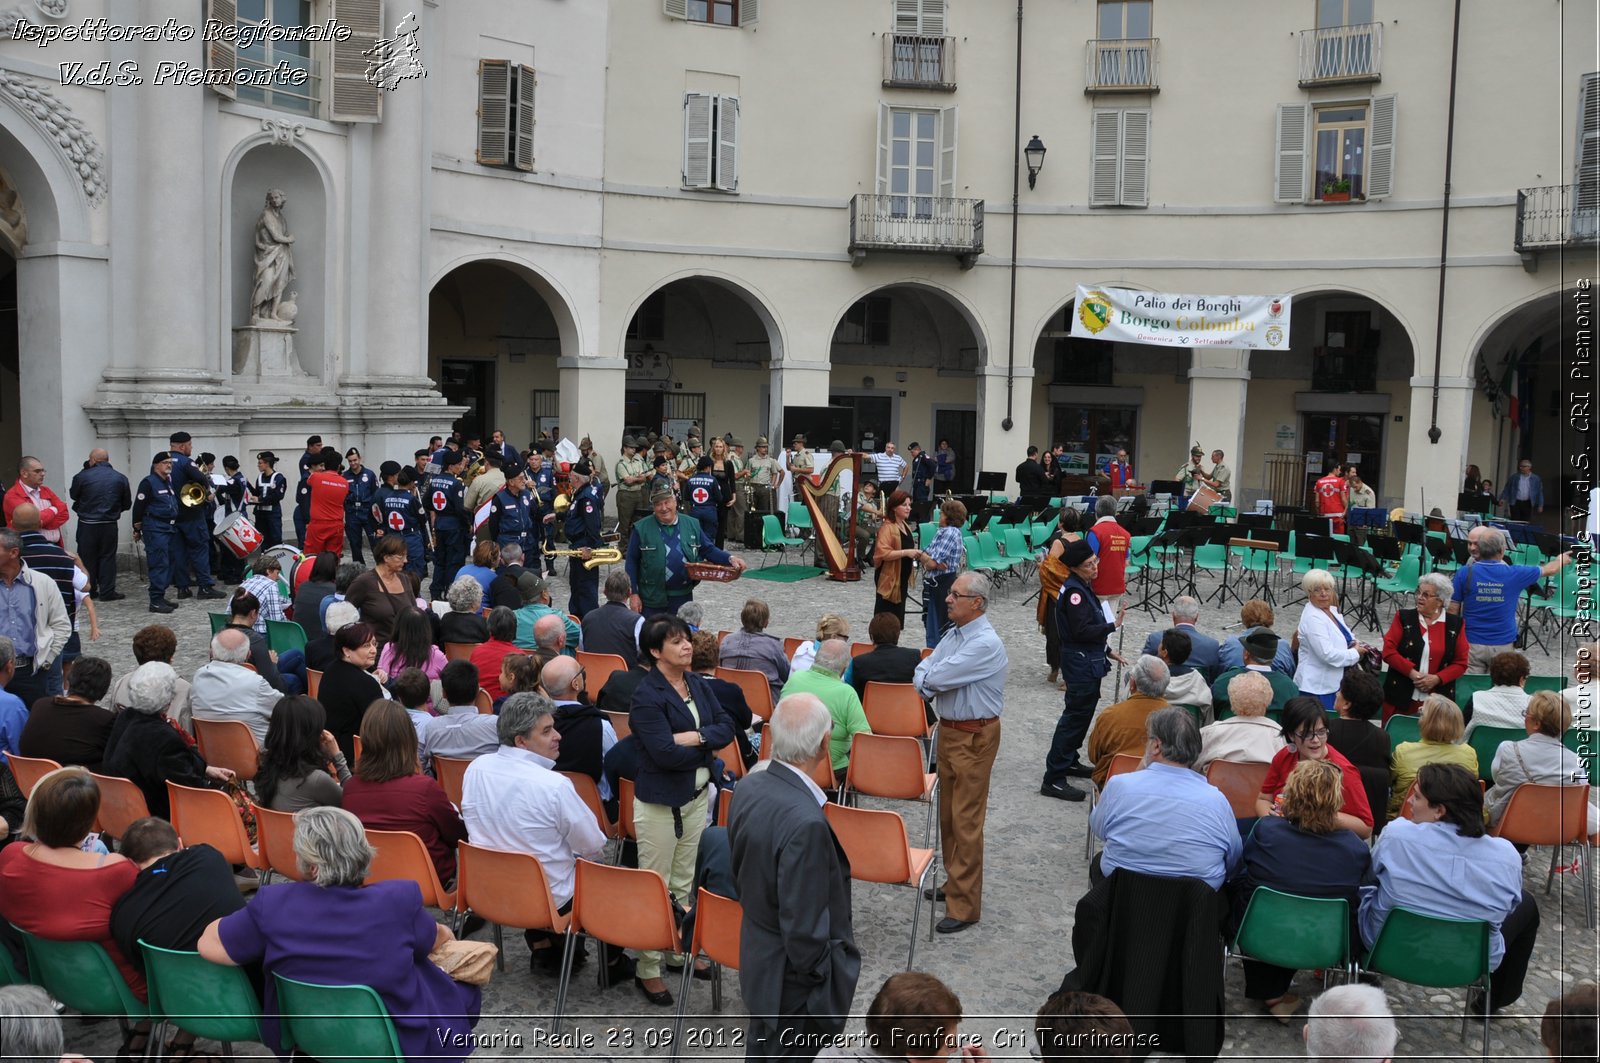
{"x":1219,"y":378}
{"x":592,"y":390}
{"x":796,"y":383}
{"x":1433,"y":470}
{"x":1000,"y":450}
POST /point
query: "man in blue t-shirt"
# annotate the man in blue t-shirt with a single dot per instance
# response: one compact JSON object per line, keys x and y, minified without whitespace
{"x":1486,"y":592}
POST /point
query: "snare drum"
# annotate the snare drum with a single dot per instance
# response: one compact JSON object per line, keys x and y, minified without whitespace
{"x":238,"y":536}
{"x":1203,"y":499}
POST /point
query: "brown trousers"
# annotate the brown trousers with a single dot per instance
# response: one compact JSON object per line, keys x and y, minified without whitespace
{"x":965,"y":761}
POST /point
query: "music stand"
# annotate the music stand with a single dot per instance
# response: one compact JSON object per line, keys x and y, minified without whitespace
{"x":1353,"y":557}
{"x":1016,"y":514}
{"x":1308,"y":525}
{"x":981,"y":521}
{"x":1384,"y":547}
{"x":1166,"y":487}
{"x":992,"y":482}
{"x":1156,"y":598}
{"x":1472,"y":502}
{"x":1255,"y":521}
{"x":1223,"y":535}
{"x":1410,"y":533}
{"x":1189,"y":539}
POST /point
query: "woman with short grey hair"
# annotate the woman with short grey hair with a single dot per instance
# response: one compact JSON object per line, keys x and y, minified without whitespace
{"x":30,"y":1030}
{"x":463,"y":622}
{"x":146,"y":748}
{"x":1425,"y":649}
{"x":330,"y":929}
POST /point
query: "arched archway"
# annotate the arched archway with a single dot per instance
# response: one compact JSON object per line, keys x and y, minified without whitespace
{"x":496,"y":328}
{"x":905,"y":361}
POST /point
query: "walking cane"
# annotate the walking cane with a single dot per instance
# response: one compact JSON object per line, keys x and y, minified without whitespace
{"x":1121,"y":631}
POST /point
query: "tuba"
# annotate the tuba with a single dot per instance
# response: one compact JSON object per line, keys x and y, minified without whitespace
{"x":192,"y":495}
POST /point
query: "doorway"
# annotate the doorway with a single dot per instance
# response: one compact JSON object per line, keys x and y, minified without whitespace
{"x":469,"y":383}
{"x":1356,"y":438}
{"x":874,"y":419}
{"x":960,"y":427}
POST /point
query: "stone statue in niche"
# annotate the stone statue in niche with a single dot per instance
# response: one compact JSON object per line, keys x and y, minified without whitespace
{"x":274,"y":266}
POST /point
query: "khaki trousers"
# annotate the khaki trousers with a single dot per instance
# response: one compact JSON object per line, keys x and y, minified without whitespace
{"x":965,"y":761}
{"x":629,"y":504}
{"x":671,"y":857}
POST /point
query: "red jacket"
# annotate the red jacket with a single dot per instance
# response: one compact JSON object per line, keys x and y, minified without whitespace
{"x":52,"y":511}
{"x":1114,"y":543}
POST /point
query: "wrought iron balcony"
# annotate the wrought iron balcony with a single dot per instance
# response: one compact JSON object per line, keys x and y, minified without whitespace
{"x":934,"y":224}
{"x":914,"y":61}
{"x":1337,"y":55}
{"x":1121,"y":65}
{"x":1555,"y":217}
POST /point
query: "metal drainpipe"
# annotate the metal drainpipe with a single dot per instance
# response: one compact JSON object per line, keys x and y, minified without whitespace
{"x":1016,"y":192}
{"x":1444,"y":227}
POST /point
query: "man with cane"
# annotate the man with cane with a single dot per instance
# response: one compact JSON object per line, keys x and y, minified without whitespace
{"x":1085,"y":626}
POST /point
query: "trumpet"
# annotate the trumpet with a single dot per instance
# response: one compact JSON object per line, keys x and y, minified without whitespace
{"x":601,"y":555}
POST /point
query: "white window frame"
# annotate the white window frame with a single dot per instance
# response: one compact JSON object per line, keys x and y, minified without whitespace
{"x":919,"y":18}
{"x":745,"y":13}
{"x":711,"y":142}
{"x":945,"y":135}
{"x":310,"y":99}
{"x":506,"y":115}
{"x":1295,"y":162}
{"x":1119,"y":157}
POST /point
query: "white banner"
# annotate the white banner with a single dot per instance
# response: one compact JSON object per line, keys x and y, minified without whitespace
{"x":1260,"y":322}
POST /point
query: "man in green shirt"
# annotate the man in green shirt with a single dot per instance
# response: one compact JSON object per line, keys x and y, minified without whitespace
{"x":632,"y":479}
{"x":824,"y":681}
{"x":765,"y":475}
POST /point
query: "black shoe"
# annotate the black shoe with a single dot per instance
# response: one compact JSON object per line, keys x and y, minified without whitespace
{"x":1062,"y":792}
{"x":951,"y":925}
{"x":1475,"y":1001}
{"x":209,"y":592}
{"x":701,"y":974}
{"x":474,"y":923}
{"x":1081,"y":771}
{"x":163,"y":607}
{"x":185,"y":592}
{"x":619,"y":971}
{"x":662,"y":999}
{"x":933,"y":893}
{"x":111,"y":596}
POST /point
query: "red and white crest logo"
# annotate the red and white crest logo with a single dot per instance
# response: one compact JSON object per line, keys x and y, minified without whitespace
{"x":439,"y":500}
{"x":700,"y":496}
{"x":397,"y":521}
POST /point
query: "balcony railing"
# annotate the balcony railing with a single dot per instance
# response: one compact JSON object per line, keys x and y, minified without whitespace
{"x":1123,"y":65}
{"x":1557,"y":216}
{"x":1337,"y":54}
{"x":918,"y":62}
{"x":916,"y":223}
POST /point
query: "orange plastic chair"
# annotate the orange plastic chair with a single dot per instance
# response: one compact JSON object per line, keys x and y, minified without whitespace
{"x":621,"y":906}
{"x":275,"y":843}
{"x":29,"y":770}
{"x":450,"y":771}
{"x":459,"y":651}
{"x":733,"y":759}
{"x":718,"y":922}
{"x":757,"y":691}
{"x":790,"y":645}
{"x":927,"y":651}
{"x":625,"y":809}
{"x":228,"y":744}
{"x":619,"y":723}
{"x":722,"y":635}
{"x":892,"y":767}
{"x":484,"y":702}
{"x":1120,"y":763}
{"x":598,"y":668}
{"x":121,"y":802}
{"x":895,"y":709}
{"x":313,"y":681}
{"x":355,"y":750}
{"x":1240,"y":783}
{"x":1542,"y":814}
{"x":858,"y":648}
{"x":589,"y":794}
{"x":401,"y":855}
{"x":724,"y":805}
{"x":878,"y":850}
{"x":506,"y":889}
{"x":210,"y":816}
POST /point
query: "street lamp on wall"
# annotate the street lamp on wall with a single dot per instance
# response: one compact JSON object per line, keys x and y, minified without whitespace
{"x":1034,"y":153}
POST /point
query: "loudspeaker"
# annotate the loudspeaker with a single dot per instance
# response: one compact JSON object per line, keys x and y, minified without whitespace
{"x":752,"y":531}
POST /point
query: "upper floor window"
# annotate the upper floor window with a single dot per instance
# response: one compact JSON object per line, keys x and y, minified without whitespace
{"x":297,"y":79}
{"x":319,"y":78}
{"x":866,"y":322}
{"x":1121,"y":20}
{"x":1332,"y":13}
{"x":714,"y":12}
{"x":1337,"y":153}
{"x":711,"y":141}
{"x":505,"y":114}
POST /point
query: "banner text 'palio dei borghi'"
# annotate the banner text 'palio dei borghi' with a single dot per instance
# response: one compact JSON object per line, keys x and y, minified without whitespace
{"x":1260,"y":322}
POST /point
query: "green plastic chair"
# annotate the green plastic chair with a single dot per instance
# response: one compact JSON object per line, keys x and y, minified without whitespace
{"x":218,"y":622}
{"x":772,"y":538}
{"x":798,"y":516}
{"x":1554,"y":683}
{"x":1468,"y":685}
{"x":81,"y":975}
{"x":285,"y":635}
{"x":1404,"y":580}
{"x":348,"y":1023}
{"x":976,"y":558}
{"x":1430,"y":951}
{"x":9,"y":975}
{"x":1300,"y":933}
{"x":201,"y":997}
{"x":926,"y":531}
{"x":1486,"y":740}
{"x":1403,"y":728}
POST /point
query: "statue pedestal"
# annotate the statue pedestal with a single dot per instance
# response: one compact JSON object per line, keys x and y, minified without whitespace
{"x":266,"y":353}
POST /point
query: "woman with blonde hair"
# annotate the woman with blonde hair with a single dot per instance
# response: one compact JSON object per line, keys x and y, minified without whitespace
{"x":829,"y":626}
{"x":1540,"y":758}
{"x":1442,"y":729}
{"x":1326,"y":646}
{"x":1304,"y":851}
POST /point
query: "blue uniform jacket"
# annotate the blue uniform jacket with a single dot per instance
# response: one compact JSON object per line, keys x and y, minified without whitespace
{"x":443,"y":498}
{"x":399,"y":511}
{"x":363,"y":492}
{"x":157,"y":501}
{"x":1084,"y":627}
{"x":583,"y":519}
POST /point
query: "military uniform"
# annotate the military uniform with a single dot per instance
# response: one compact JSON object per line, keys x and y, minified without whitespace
{"x":155,"y":512}
{"x":191,"y":550}
{"x":543,"y":484}
{"x":358,"y":511}
{"x":741,"y":496}
{"x":631,"y":497}
{"x":399,"y":513}
{"x":269,"y":491}
{"x":515,"y":518}
{"x":582,"y":526}
{"x":764,"y":470}
{"x":443,"y":494}
{"x":602,"y":477}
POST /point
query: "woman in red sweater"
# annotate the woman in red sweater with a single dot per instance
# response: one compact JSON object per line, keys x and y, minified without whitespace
{"x":388,"y":792}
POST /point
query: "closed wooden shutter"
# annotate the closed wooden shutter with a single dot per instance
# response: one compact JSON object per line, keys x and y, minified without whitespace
{"x":1106,"y":135}
{"x":1587,"y":155}
{"x":1380,"y":148}
{"x":523,"y":119}
{"x":697,"y":140}
{"x":221,"y":54}
{"x":1289,"y":169}
{"x":675,"y":8}
{"x":908,"y":16}
{"x":885,"y":130}
{"x":1135,"y":184}
{"x":933,"y":18}
{"x":727,"y":177}
{"x":494,"y":111}
{"x":351,"y":97}
{"x":749,"y":12}
{"x":947,"y":152}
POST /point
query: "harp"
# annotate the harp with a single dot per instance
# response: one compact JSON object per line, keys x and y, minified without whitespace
{"x":840,"y":557}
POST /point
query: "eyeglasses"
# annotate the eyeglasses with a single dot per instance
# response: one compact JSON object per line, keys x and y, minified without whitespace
{"x":958,"y":594}
{"x":579,"y":678}
{"x":1318,"y":735}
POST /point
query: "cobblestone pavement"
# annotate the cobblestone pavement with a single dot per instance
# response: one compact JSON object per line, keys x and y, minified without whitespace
{"x":1004,"y":967}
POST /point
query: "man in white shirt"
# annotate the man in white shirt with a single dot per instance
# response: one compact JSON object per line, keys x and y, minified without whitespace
{"x":225,"y":689}
{"x":891,"y":469}
{"x":514,"y":800}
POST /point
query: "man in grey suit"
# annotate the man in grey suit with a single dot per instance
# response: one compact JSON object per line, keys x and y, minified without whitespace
{"x":1204,"y":651}
{"x":798,"y":959}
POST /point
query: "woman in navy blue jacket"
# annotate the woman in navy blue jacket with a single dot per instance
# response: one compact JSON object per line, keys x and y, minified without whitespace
{"x":679,"y":727}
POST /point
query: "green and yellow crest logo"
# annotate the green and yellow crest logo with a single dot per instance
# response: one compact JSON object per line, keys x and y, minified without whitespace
{"x":1095,"y":313}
